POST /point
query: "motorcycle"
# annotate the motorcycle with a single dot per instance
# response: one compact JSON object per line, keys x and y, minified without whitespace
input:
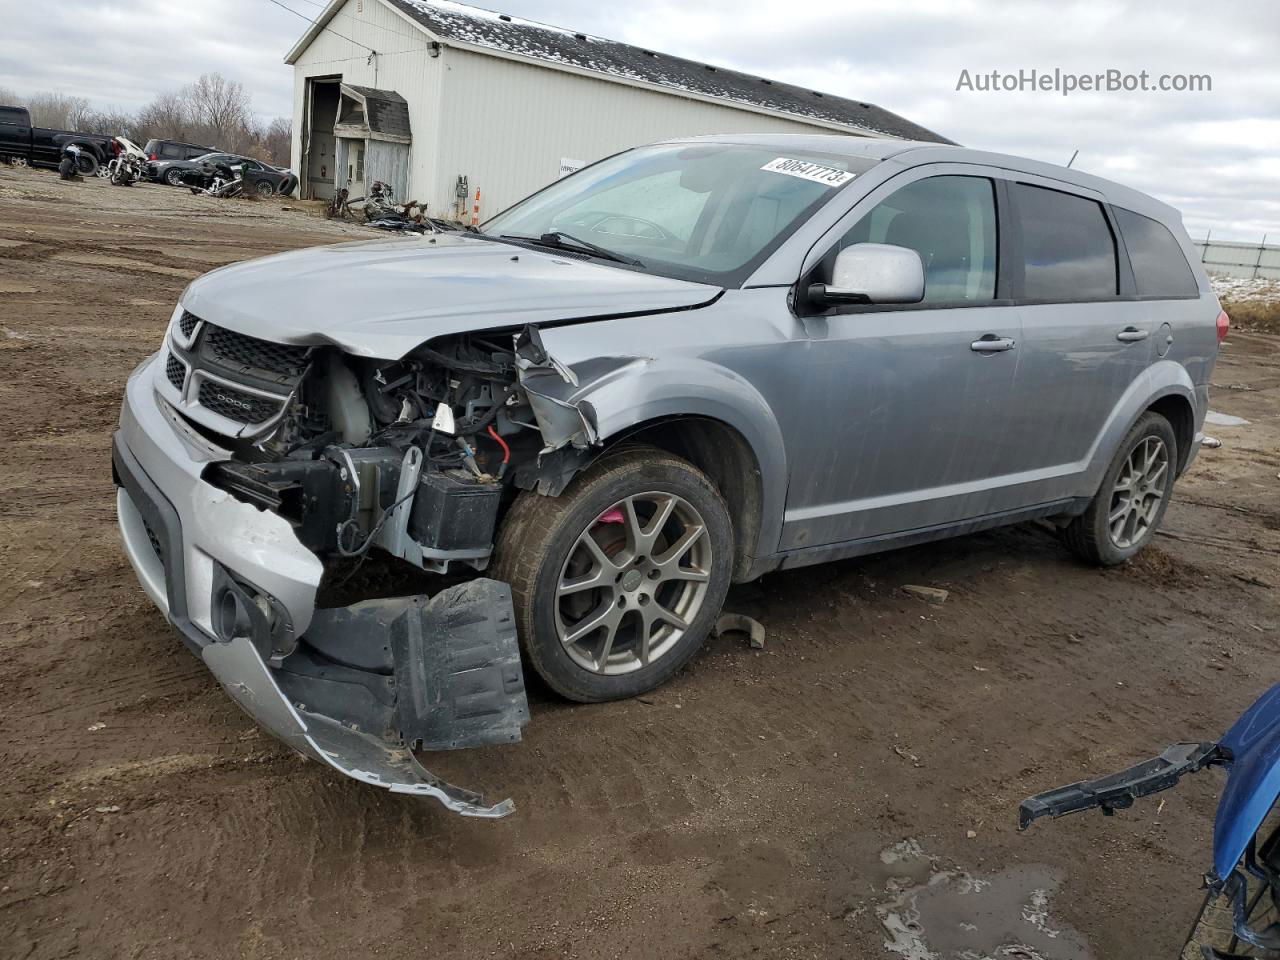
{"x":129,"y":165}
{"x":69,"y":165}
{"x":215,"y":180}
{"x":1240,"y":916}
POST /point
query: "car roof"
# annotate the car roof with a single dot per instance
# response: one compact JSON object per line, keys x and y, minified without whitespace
{"x":916,"y":152}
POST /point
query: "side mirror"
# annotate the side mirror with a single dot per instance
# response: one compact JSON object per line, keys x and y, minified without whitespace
{"x":872,"y":273}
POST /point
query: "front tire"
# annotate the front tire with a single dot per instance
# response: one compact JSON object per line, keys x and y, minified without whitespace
{"x":1128,"y":508}
{"x":617,"y":581}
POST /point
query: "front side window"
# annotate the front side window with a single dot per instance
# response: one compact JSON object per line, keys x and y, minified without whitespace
{"x":1159,"y":267}
{"x":951,"y":222}
{"x":699,"y":211}
{"x":1069,"y":251}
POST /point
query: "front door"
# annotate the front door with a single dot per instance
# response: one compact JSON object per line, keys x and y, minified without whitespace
{"x":909,"y":405}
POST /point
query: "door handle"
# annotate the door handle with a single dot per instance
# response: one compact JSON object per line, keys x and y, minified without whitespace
{"x":990,"y":343}
{"x":1132,"y":335}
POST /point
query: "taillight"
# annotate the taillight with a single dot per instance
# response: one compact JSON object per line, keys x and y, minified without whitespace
{"x":153,"y":158}
{"x":1224,"y":324}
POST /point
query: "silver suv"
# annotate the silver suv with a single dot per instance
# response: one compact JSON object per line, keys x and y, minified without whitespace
{"x":684,"y":366}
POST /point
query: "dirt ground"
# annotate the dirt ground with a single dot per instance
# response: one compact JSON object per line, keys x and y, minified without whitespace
{"x":777,"y":803}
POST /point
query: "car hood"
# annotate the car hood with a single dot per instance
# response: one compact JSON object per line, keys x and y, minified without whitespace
{"x":382,"y":298}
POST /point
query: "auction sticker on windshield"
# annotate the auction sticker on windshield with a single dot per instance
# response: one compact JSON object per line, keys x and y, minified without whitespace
{"x":809,"y":171}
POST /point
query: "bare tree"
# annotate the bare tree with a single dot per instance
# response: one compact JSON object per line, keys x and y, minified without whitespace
{"x":168,"y":116}
{"x":220,"y":104}
{"x":57,"y":110}
{"x":278,"y":140}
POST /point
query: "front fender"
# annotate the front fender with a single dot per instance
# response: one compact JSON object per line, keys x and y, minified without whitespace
{"x":1161,"y":379}
{"x":620,"y":393}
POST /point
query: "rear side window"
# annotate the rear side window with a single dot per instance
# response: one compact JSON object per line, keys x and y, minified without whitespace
{"x":1159,"y":267}
{"x":171,"y":152}
{"x":1069,"y":251}
{"x":951,"y":223}
{"x":13,"y":115}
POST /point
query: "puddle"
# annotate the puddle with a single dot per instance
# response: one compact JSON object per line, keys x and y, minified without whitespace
{"x":954,"y":915}
{"x":1224,"y":419}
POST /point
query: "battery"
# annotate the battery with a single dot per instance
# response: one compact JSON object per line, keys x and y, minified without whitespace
{"x":454,"y":511}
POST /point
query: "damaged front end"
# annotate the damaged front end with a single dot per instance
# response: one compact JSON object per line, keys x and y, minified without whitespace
{"x":344,"y":458}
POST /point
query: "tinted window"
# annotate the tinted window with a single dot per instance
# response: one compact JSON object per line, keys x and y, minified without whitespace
{"x":1159,"y":266}
{"x":171,"y":152}
{"x":951,"y":223}
{"x":192,"y":152}
{"x":1070,"y":253}
{"x":13,"y":115}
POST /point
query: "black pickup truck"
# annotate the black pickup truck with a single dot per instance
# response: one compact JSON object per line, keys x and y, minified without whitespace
{"x":39,"y":146}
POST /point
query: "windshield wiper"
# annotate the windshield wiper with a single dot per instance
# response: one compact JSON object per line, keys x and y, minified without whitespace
{"x":557,"y":239}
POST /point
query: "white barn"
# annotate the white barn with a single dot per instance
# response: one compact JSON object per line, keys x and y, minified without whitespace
{"x":440,"y":100}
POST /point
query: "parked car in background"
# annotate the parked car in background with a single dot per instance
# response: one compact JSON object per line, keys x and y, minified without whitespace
{"x":688,"y":364}
{"x":23,"y":143}
{"x":158,"y":151}
{"x":259,"y":178}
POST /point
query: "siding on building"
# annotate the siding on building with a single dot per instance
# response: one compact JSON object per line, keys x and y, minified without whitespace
{"x":403,"y":64}
{"x":504,"y":123}
{"x":507,"y":124}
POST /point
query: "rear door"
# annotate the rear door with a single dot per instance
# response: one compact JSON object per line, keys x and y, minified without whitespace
{"x":908,"y":405}
{"x":1086,"y":338}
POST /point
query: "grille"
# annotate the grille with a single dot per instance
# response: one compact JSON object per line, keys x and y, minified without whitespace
{"x":175,"y":371}
{"x":236,"y":404}
{"x":187,"y":323}
{"x":239,"y":350}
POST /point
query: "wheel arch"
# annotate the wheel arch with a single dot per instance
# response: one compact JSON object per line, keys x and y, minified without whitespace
{"x":725,"y":456}
{"x":1164,"y":387}
{"x":707,"y":414}
{"x":1178,"y":410}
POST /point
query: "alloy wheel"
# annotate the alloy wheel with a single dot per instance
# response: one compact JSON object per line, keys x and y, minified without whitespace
{"x":632,"y":583}
{"x":1138,"y":492}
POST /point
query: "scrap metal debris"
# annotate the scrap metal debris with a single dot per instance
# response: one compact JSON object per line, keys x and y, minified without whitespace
{"x":740,"y":623}
{"x":932,"y":594}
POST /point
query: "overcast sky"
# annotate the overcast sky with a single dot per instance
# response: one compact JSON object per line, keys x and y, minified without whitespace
{"x":1215,"y":155}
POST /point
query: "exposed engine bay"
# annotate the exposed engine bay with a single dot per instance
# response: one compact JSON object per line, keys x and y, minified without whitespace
{"x":412,"y":456}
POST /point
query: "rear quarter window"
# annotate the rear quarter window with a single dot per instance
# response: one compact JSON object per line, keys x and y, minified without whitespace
{"x":1069,"y":252}
{"x":1159,"y":267}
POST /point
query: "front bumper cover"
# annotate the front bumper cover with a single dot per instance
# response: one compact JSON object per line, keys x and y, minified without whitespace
{"x":467,"y":693}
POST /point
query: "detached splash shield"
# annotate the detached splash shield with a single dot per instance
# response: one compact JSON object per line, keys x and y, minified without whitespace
{"x":372,"y":682}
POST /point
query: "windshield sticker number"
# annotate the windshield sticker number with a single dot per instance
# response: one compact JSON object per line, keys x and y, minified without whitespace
{"x":827,"y":176}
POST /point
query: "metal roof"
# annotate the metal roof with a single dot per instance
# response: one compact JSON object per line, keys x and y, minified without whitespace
{"x":483,"y":30}
{"x":385,"y":111}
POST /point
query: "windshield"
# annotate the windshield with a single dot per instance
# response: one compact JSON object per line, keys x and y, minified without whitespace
{"x":704,"y":211}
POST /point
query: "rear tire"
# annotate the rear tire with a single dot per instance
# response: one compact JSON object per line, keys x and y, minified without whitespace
{"x":87,"y":164}
{"x":173,"y":177}
{"x":1125,"y":513}
{"x":264,"y":188}
{"x":660,"y":559}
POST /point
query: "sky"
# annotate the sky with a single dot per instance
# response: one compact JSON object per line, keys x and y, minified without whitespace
{"x":1214,"y":154}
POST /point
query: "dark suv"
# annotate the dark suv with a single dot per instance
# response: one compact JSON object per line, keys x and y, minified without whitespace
{"x":159,"y":150}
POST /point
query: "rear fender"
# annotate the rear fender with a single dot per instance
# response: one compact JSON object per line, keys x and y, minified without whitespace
{"x":1162,"y":379}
